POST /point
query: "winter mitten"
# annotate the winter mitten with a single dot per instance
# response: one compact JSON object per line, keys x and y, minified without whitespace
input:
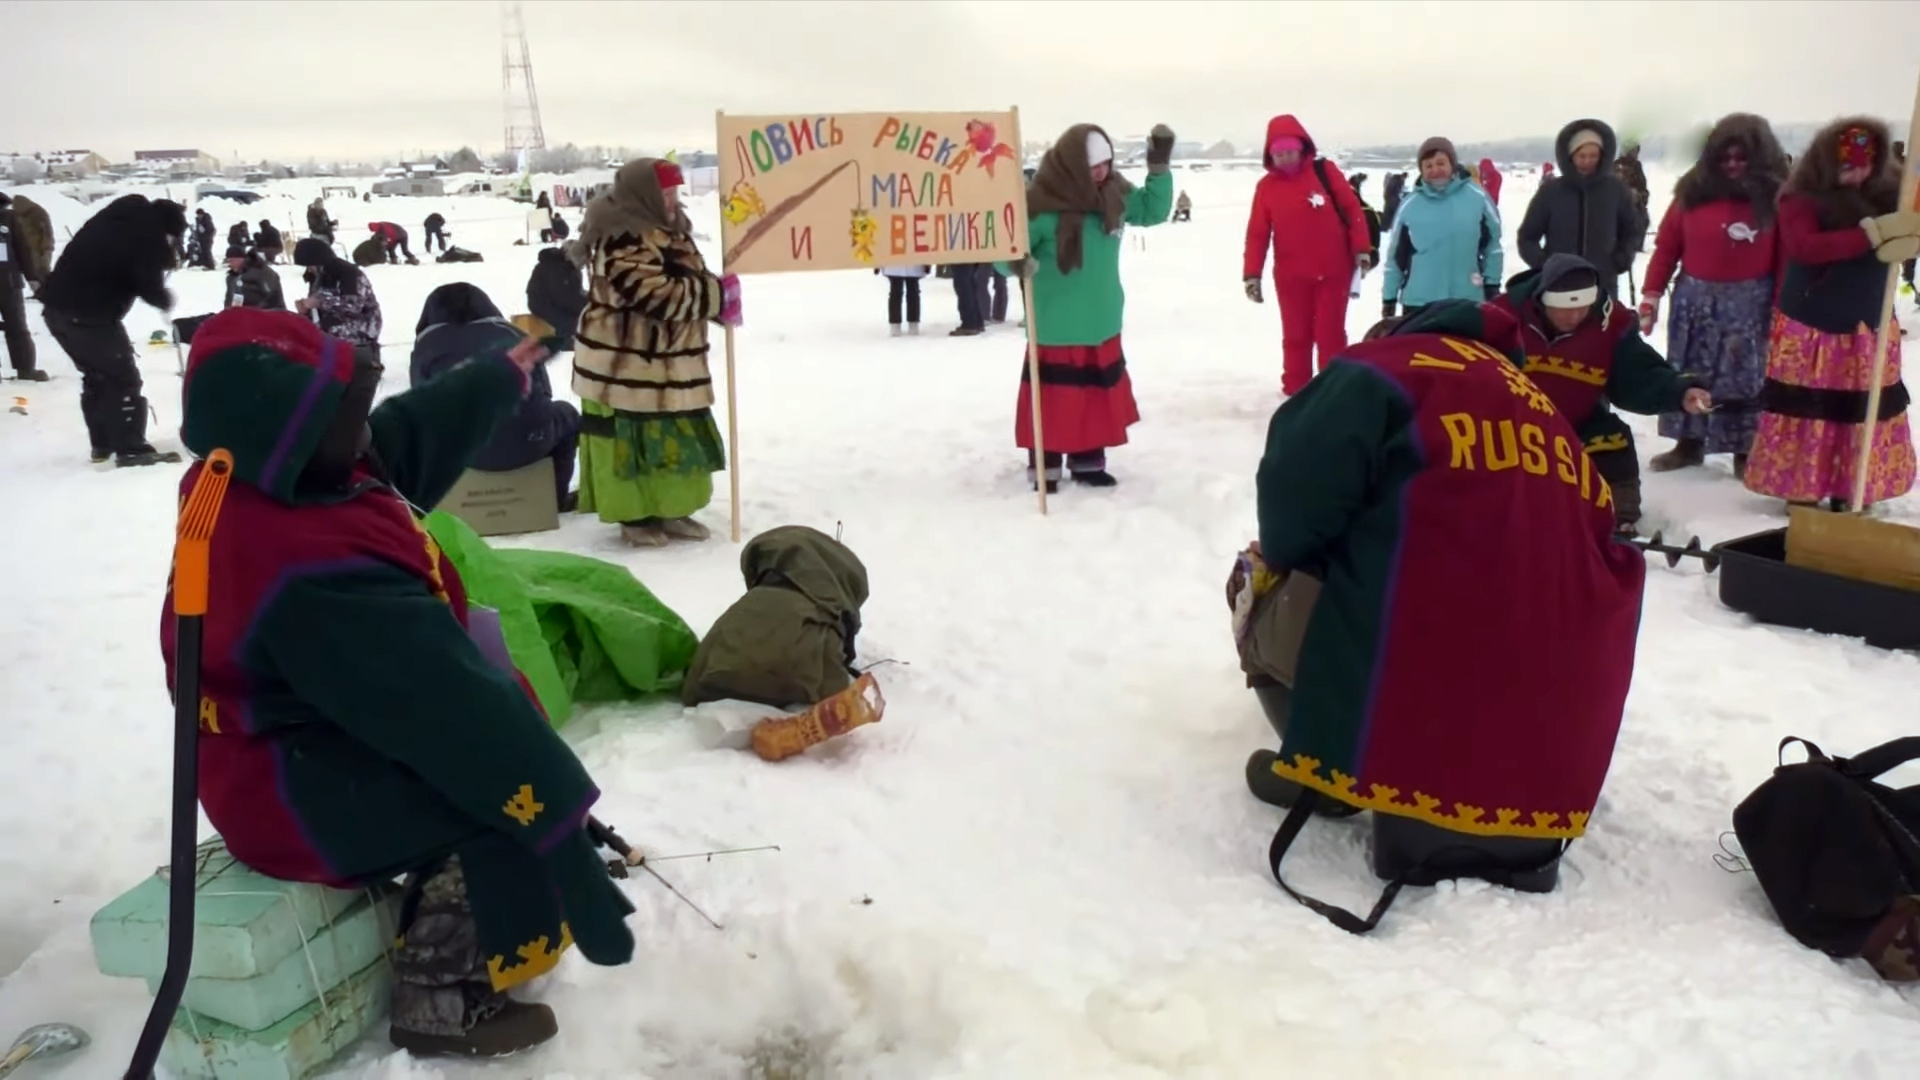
{"x":1019,"y":269}
{"x":1388,"y":309}
{"x":1253,"y":289}
{"x":1898,"y":250}
{"x":1492,"y":292}
{"x":1649,"y":314}
{"x":1891,"y":226}
{"x":1159,"y":148}
{"x":1364,"y":261}
{"x":730,"y":300}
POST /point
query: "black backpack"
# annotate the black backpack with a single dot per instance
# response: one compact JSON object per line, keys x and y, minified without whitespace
{"x":1832,"y":847}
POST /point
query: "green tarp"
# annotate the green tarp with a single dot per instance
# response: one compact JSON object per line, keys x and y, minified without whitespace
{"x":580,"y":630}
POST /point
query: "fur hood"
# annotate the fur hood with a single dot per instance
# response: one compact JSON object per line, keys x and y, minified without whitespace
{"x":1816,"y":175}
{"x":1766,"y":167}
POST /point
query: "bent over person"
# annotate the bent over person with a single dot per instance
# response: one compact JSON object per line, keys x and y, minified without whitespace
{"x":1450,"y":524}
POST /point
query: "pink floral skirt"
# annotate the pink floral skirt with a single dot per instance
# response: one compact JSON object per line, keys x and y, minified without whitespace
{"x":1800,"y":457}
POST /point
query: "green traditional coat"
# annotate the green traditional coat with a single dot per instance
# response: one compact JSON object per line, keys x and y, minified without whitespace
{"x":351,"y":729}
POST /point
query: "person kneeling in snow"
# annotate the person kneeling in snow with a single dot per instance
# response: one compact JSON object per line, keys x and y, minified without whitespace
{"x":459,"y":321}
{"x":355,"y":724}
{"x":1463,"y":669}
{"x":1585,"y":350}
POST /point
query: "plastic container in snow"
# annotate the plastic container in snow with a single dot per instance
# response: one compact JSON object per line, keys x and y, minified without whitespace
{"x":1755,"y":578}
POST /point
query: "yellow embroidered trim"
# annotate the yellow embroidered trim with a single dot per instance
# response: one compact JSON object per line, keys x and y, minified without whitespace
{"x":522,"y":807}
{"x":209,"y":715}
{"x":535,"y":960}
{"x":1538,"y":824}
{"x":1600,"y":444}
{"x":1554,"y":365}
{"x":433,"y":559}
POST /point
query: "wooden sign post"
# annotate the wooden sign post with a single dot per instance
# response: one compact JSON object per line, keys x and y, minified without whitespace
{"x":865,"y":191}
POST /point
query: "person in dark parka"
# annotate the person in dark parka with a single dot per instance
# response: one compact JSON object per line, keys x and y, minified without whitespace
{"x":122,"y":254}
{"x":268,"y":241}
{"x":1395,"y":191}
{"x":200,"y":250}
{"x":458,"y":322}
{"x":13,"y":304}
{"x":318,"y":223}
{"x":556,"y":295}
{"x":240,"y":235}
{"x":1585,"y":210}
{"x":252,"y":283}
{"x":435,"y":225}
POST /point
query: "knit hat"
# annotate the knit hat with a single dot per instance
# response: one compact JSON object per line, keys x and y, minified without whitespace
{"x":1568,"y":281}
{"x":286,"y":400}
{"x":1438,"y":145}
{"x":1585,"y":137}
{"x":668,"y":174}
{"x":1287,"y":143}
{"x":312,"y":251}
{"x":1099,"y":150}
{"x":236,"y":251}
{"x":1857,"y":150}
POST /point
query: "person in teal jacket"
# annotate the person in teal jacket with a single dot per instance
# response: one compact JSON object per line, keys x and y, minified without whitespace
{"x":1445,"y":243}
{"x":1077,"y":206}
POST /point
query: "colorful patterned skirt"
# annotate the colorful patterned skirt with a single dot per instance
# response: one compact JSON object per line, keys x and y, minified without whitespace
{"x":638,"y":466}
{"x":1086,"y":399}
{"x":1813,"y":406}
{"x":1717,"y":333}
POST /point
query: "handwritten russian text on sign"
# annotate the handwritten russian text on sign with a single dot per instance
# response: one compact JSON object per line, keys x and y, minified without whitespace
{"x":861,"y":190}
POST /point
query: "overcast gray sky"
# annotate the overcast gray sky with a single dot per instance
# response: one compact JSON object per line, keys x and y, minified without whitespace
{"x":273,"y":78}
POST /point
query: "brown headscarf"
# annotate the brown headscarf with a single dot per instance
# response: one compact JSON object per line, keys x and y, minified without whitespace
{"x":1064,"y":185}
{"x":633,"y":207}
{"x":1816,"y":175}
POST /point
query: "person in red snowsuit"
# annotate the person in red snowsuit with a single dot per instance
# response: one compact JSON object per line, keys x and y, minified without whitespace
{"x":392,"y":237}
{"x":1490,"y":180}
{"x":1307,"y":212}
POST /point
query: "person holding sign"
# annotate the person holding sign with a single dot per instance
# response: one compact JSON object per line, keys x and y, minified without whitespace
{"x":1077,"y":205}
{"x":648,"y":446}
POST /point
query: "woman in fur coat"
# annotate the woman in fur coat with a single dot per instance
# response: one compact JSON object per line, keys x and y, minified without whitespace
{"x":1719,"y":234}
{"x":1839,"y":229}
{"x":648,"y":446}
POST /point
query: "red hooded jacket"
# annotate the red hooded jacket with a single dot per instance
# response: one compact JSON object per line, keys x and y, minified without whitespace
{"x":1301,"y":219}
{"x":1490,"y":179}
{"x":387,"y":231}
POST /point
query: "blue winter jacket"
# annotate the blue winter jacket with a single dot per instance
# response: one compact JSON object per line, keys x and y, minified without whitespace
{"x":1440,"y":240}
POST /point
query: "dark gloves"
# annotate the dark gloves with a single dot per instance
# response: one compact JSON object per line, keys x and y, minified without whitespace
{"x":1388,"y":309}
{"x":1252,"y":285}
{"x":1159,"y":148}
{"x":1492,"y":291}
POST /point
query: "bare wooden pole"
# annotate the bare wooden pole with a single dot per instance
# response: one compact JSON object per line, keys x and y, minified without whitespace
{"x":733,"y":394}
{"x":1033,"y":333}
{"x":1882,"y":342}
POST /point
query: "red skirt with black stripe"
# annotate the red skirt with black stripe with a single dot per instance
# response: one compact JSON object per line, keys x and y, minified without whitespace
{"x":1086,"y":399}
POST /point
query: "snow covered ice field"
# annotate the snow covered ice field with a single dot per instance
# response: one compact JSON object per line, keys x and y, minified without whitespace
{"x":1066,"y":873}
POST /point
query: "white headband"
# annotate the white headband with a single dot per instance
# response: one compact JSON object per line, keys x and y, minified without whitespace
{"x":1099,"y":150}
{"x":1574,"y":298}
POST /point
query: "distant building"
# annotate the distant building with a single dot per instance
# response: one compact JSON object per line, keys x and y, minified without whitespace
{"x":191,"y":162}
{"x":71,"y":164}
